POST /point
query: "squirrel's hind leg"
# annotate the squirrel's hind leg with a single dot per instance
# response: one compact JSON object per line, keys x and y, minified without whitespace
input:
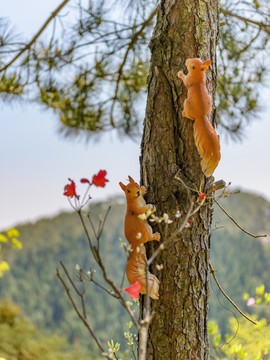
{"x":187,"y":112}
{"x":147,"y":234}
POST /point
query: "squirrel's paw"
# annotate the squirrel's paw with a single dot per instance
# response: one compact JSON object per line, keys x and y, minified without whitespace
{"x":151,"y":207}
{"x":180,"y":74}
{"x":184,"y":114}
{"x":156,"y":236}
{"x":143,"y":190}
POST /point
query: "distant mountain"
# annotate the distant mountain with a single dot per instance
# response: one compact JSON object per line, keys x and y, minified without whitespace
{"x":242,"y":263}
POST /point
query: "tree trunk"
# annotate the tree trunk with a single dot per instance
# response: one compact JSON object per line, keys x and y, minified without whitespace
{"x":184,"y":29}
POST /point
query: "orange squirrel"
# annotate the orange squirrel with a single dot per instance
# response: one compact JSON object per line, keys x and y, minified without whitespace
{"x":198,"y":106}
{"x":137,"y":232}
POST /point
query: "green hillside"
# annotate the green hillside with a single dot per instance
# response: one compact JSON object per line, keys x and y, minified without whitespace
{"x":32,"y":283}
{"x":21,"y":340}
{"x":242,"y":263}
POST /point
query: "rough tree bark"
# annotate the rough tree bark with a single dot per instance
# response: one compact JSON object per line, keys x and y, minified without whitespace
{"x":184,"y":29}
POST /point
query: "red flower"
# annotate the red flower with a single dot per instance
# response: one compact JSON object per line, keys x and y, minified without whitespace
{"x":70,"y":189}
{"x":201,"y":196}
{"x":189,"y":221}
{"x":214,"y":191}
{"x":99,"y":179}
{"x":133,"y":290}
{"x":85,"y":181}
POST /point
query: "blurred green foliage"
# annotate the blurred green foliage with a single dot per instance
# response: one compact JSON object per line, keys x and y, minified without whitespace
{"x":245,"y":341}
{"x":242,"y":262}
{"x":20,"y":339}
{"x":8,"y":242}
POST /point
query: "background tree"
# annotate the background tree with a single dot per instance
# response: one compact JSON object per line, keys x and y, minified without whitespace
{"x":21,"y":340}
{"x":103,"y":91}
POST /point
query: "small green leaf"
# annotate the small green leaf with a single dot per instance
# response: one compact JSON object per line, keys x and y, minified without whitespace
{"x":216,"y":340}
{"x":212,"y":328}
{"x":13,"y":233}
{"x":258,"y":301}
{"x":3,"y":267}
{"x":260,"y":290}
{"x":267,"y":298}
{"x":3,"y":238}
{"x":16,"y":243}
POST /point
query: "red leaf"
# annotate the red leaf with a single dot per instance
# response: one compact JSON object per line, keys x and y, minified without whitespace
{"x":133,"y":290}
{"x":70,"y":190}
{"x":99,"y":179}
{"x":85,"y":181}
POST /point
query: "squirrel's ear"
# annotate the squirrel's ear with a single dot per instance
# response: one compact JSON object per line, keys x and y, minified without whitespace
{"x":123,"y":187}
{"x":206,"y":64}
{"x":130,"y":179}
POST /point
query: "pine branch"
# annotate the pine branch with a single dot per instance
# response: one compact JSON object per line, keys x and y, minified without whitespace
{"x":130,"y":46}
{"x":36,"y":36}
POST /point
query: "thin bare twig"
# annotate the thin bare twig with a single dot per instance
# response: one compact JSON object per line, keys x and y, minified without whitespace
{"x":228,"y":309}
{"x":79,"y":293}
{"x":123,"y":279}
{"x":172,"y":237}
{"x":213,"y":272}
{"x":189,"y":189}
{"x":240,"y":227}
{"x":69,"y":278}
{"x":263,"y":26}
{"x":104,"y":289}
{"x":92,"y":225}
{"x":43,"y":27}
{"x":101,"y":228}
{"x":95,"y":252}
{"x":87,"y":325}
{"x":90,"y":277}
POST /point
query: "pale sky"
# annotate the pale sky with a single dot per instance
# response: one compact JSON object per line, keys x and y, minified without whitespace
{"x":35,"y":161}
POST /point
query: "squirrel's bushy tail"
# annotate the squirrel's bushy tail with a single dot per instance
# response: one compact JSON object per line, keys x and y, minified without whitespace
{"x":135,"y":270}
{"x":207,"y":143}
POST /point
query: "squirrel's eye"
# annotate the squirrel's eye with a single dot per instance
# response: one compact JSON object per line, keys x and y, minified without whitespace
{"x":193,"y":67}
{"x":201,"y":69}
{"x":128,"y":191}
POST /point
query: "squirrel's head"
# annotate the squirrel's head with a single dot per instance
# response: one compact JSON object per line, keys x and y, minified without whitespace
{"x":196,"y":66}
{"x":132,"y":189}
